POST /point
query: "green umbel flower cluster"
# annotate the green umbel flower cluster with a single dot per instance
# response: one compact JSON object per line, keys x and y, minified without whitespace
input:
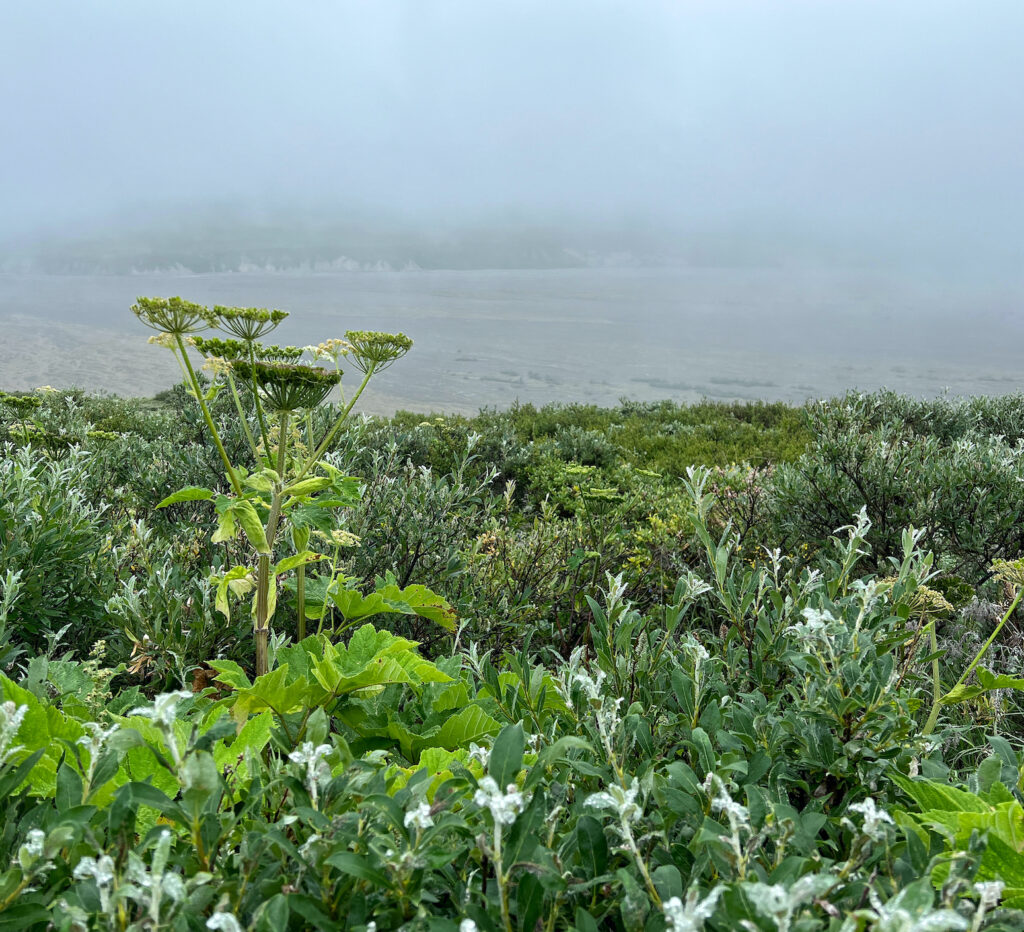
{"x":288,"y":388}
{"x":172,"y":315}
{"x":21,"y":405}
{"x":239,"y":349}
{"x":247,"y":323}
{"x":373,"y":350}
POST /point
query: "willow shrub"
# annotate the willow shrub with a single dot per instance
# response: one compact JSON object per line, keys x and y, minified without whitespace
{"x":738,"y":759}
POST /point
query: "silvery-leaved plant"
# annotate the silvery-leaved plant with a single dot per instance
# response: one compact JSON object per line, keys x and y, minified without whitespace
{"x":910,"y":910}
{"x":503,"y":806}
{"x":780,"y":903}
{"x":874,"y":819}
{"x":620,"y":801}
{"x":154,"y":886}
{"x":317,"y":770}
{"x":419,"y":817}
{"x":30,"y":854}
{"x":224,"y":921}
{"x":163,"y":713}
{"x":101,"y":872}
{"x":690,"y":914}
{"x":736,"y":814}
{"x":479,"y":754}
{"x":11,"y":717}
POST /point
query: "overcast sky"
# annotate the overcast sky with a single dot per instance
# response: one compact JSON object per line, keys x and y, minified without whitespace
{"x":825,"y":114}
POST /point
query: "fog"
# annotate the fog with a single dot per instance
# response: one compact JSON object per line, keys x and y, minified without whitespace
{"x":890,"y":126}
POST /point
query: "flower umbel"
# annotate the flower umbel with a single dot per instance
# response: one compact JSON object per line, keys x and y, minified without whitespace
{"x":174,"y":316}
{"x":288,"y":388}
{"x":373,"y":350}
{"x":247,"y":323}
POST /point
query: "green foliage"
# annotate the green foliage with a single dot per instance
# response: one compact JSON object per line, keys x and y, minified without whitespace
{"x":56,"y":542}
{"x":961,"y":485}
{"x":643,"y":700}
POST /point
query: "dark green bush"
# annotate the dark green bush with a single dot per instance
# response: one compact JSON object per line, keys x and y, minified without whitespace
{"x":60,"y":545}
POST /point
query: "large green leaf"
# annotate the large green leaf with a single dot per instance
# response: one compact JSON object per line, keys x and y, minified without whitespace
{"x":44,"y":728}
{"x":390,"y":599}
{"x":987,"y":682}
{"x":371,"y":660}
{"x":466,"y":726}
{"x":247,"y":516}
{"x":308,"y":486}
{"x":930,"y":795}
{"x":238,"y":580}
{"x":297,"y":559}
{"x":192,"y":493}
{"x":274,"y":691}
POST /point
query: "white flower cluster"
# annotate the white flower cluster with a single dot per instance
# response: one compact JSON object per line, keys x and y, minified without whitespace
{"x":816,"y":626}
{"x":737,"y":814}
{"x":990,"y":892}
{"x":901,"y":914}
{"x":419,"y":817}
{"x":224,"y":922}
{"x":620,"y":801}
{"x":317,"y":768}
{"x":31,"y":852}
{"x":163,"y":712}
{"x":505,"y":806}
{"x":11,"y":717}
{"x":689,"y":916}
{"x":875,"y":819}
{"x":101,"y":870}
{"x":780,"y":903}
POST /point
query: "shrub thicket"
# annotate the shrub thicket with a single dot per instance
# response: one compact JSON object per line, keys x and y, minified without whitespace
{"x":775,"y":692}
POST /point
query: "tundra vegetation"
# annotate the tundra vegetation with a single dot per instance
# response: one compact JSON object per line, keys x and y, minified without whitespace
{"x":268,"y":664}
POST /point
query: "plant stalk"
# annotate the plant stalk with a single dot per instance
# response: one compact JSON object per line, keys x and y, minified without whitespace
{"x":933,"y":717}
{"x":261,"y":632}
{"x":232,"y":475}
{"x":244,"y":420}
{"x":329,"y":436}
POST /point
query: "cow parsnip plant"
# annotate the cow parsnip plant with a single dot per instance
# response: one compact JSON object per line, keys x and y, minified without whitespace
{"x":288,"y":483}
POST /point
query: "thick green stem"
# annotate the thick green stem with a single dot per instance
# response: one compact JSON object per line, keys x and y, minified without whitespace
{"x":933,"y":643}
{"x":300,"y":598}
{"x":259,"y":407}
{"x":243,"y":419}
{"x":261,"y":633}
{"x":329,"y":436}
{"x":232,"y":475}
{"x":930,"y":724}
{"x":282,"y":443}
{"x":499,"y":875}
{"x":933,"y":715}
